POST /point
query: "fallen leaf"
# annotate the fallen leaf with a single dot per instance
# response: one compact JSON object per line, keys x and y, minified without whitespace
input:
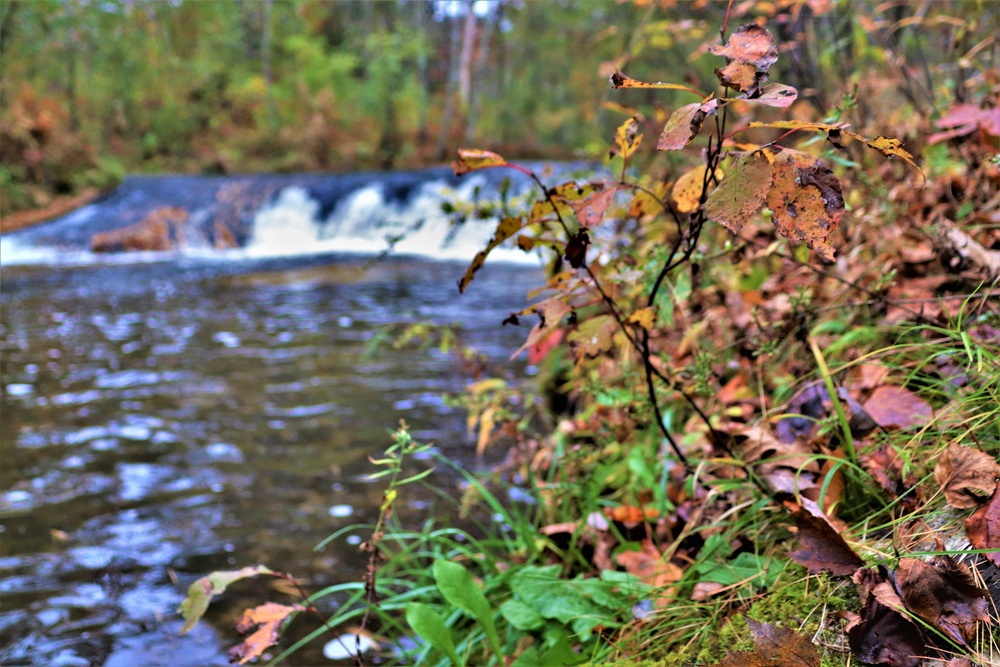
{"x":886,"y":467}
{"x":983,"y":527}
{"x":270,"y":617}
{"x":650,"y":566}
{"x":741,"y":193}
{"x":201,"y":592}
{"x":966,"y":475}
{"x":806,"y":199}
{"x":823,"y":548}
{"x":944,"y":593}
{"x":775,"y":647}
{"x":896,"y":407}
{"x":684,"y":125}
{"x":881,"y":635}
{"x":473,"y":159}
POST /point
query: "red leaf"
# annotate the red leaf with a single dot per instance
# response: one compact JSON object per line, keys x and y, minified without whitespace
{"x":983,"y":527}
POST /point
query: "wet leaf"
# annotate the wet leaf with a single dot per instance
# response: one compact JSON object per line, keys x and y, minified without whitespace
{"x":966,"y":475}
{"x":823,"y":548}
{"x":652,"y":568}
{"x":688,"y":189}
{"x":741,"y":193}
{"x":473,"y":159}
{"x":806,"y":199}
{"x":774,"y":647}
{"x":628,"y":138}
{"x":983,"y":527}
{"x":201,"y":592}
{"x":507,"y":228}
{"x":684,"y":125}
{"x":269,"y":617}
{"x":881,"y":635}
{"x":776,"y":95}
{"x":945,"y":594}
{"x":896,"y":407}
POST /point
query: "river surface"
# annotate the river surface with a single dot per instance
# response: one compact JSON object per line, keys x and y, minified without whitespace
{"x":164,"y":419}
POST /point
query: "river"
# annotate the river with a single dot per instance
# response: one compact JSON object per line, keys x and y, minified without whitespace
{"x":165,"y":415}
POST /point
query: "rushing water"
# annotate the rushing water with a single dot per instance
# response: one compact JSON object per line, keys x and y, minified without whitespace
{"x":164,"y":419}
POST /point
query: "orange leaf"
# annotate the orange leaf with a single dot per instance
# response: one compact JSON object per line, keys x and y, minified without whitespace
{"x":806,"y":199}
{"x":270,"y":617}
{"x":653,"y":569}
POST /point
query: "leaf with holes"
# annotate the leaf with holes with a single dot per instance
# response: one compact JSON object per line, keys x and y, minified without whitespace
{"x":473,"y":159}
{"x":684,"y":125}
{"x":269,"y":617}
{"x":741,"y":193}
{"x":628,"y":138}
{"x":806,"y":199}
{"x":776,"y":95}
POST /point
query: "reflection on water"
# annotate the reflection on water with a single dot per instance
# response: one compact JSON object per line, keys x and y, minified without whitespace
{"x":164,"y":420}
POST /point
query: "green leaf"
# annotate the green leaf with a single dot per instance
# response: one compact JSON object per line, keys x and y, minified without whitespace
{"x":458,"y":587}
{"x":521,"y":616}
{"x":201,"y":592}
{"x":431,"y":628}
{"x":528,"y":658}
{"x":561,"y":653}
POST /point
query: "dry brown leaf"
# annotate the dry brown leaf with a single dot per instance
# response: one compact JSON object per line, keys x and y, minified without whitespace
{"x":945,"y":594}
{"x":983,"y":527}
{"x":823,"y":548}
{"x":750,"y":52}
{"x":774,"y":647}
{"x":881,"y":635}
{"x":966,"y":475}
{"x":896,"y":407}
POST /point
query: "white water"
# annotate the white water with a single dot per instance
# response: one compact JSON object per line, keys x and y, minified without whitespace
{"x":289,"y":226}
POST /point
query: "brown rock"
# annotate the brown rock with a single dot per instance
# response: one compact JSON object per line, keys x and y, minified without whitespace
{"x":157,"y":231}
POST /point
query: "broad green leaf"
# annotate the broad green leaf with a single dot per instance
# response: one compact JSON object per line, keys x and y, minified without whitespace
{"x":741,"y":192}
{"x":528,"y":658}
{"x":431,"y":628}
{"x":473,"y":159}
{"x":561,"y":653}
{"x":201,"y":592}
{"x":521,"y":616}
{"x":458,"y":587}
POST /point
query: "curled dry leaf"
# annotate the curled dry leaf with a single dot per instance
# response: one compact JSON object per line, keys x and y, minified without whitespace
{"x":269,"y":617}
{"x":896,"y":407}
{"x":473,"y":159}
{"x":823,"y":548}
{"x":741,"y":193}
{"x":966,"y":475}
{"x":983,"y":528}
{"x":806,"y":199}
{"x":774,"y":646}
{"x":945,"y":595}
{"x":684,"y":125}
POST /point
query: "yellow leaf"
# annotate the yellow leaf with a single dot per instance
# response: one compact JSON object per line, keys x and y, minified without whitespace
{"x":628,"y":138}
{"x":688,"y":189}
{"x":472,"y":159}
{"x":485,"y":430}
{"x":507,"y":228}
{"x":621,"y":80}
{"x":644,"y":317}
{"x":270,"y":617}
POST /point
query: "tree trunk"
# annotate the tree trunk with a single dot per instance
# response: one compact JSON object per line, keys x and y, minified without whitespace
{"x":468,"y":49}
{"x":449,"y":95}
